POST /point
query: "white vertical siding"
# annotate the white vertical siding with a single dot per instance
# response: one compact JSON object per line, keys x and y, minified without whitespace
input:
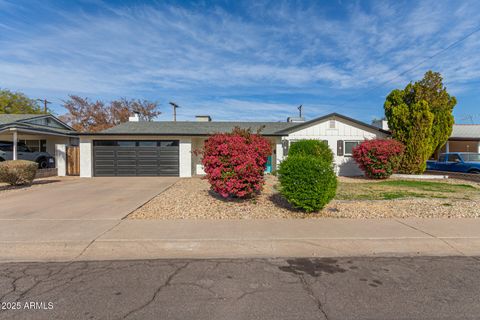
{"x":61,"y":159}
{"x":344,"y":130}
{"x":185,"y":157}
{"x":278,"y":154}
{"x":86,"y":156}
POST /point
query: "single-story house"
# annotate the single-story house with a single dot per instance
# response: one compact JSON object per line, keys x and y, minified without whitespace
{"x":464,"y":137}
{"x":166,"y":148}
{"x":39,"y":132}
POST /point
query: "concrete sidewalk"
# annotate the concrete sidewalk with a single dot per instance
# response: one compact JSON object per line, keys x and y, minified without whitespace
{"x":152,"y":239}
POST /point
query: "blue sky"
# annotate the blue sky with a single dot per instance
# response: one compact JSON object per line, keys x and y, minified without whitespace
{"x":240,"y":60}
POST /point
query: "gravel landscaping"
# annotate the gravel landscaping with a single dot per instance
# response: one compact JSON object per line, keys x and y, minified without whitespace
{"x":356,"y":198}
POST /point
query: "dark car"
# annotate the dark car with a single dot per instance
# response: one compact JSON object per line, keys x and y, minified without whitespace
{"x":44,"y":159}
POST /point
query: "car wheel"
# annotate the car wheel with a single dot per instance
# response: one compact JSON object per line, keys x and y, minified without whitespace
{"x":1,"y":159}
{"x":474,"y":171}
{"x":42,"y":163}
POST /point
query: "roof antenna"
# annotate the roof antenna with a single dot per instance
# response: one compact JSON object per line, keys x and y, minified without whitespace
{"x":175,"y":106}
{"x":300,"y":108}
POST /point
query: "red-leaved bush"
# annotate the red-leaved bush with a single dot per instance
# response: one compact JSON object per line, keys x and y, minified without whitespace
{"x":235,"y":162}
{"x":378,"y":158}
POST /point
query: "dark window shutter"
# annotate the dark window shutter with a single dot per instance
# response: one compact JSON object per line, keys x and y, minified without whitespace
{"x":339,"y":147}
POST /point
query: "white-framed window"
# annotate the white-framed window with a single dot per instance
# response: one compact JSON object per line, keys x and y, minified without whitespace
{"x":288,"y":143}
{"x":348,"y":147}
{"x":331,"y":124}
{"x":36,"y":145}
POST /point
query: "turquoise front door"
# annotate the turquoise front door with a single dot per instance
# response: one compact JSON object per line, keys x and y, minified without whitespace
{"x":268,"y":169}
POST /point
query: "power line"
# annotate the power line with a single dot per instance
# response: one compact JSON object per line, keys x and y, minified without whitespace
{"x":432,"y":56}
{"x":417,"y":65}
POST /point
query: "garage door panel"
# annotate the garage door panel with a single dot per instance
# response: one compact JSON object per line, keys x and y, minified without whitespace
{"x":127,"y":158}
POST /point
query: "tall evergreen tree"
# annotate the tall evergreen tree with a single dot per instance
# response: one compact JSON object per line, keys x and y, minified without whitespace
{"x":432,"y":90}
{"x":420,"y":116}
{"x":412,"y":124}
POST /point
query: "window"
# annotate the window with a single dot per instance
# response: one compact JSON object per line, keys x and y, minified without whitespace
{"x":173,"y":143}
{"x":147,"y":143}
{"x":471,"y":157}
{"x":135,"y":143}
{"x":35,"y":145}
{"x":22,"y":148}
{"x":126,"y":143}
{"x":453,"y":158}
{"x":442,"y":158}
{"x":105,"y":143}
{"x":349,"y":145}
{"x":331,"y":124}
{"x":7,"y":147}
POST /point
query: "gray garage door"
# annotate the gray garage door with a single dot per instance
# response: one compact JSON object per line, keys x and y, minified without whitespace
{"x":135,"y":158}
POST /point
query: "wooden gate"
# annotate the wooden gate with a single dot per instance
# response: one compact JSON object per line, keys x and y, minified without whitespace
{"x":73,"y":161}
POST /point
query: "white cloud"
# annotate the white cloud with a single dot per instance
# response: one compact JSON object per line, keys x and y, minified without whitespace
{"x":200,"y":51}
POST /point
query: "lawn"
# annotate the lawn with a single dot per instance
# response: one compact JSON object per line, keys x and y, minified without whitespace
{"x":400,"y":189}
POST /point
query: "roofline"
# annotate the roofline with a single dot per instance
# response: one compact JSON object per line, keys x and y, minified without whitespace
{"x":464,"y":139}
{"x":44,"y":116}
{"x":161,"y":134}
{"x":334,"y":114}
{"x":13,"y":127}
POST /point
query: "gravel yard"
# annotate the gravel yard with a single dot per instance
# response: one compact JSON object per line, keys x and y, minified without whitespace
{"x":356,"y":198}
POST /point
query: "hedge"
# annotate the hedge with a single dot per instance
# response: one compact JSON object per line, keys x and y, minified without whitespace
{"x":307,"y":182}
{"x":378,"y":158}
{"x":18,"y":172}
{"x":315,"y":148}
{"x":235,"y":162}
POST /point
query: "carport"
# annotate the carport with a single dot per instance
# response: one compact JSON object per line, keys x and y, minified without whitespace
{"x":40,"y":133}
{"x":40,"y":140}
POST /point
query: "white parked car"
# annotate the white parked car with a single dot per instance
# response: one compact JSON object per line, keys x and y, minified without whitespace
{"x":44,"y":159}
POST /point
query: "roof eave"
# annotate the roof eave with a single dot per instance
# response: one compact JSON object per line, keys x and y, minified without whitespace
{"x":334,"y":114}
{"x":158,"y":134}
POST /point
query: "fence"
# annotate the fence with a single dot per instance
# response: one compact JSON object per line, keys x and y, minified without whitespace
{"x":73,"y":161}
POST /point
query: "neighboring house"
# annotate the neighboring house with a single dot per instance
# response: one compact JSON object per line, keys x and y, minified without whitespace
{"x":464,"y":138}
{"x":139,"y":148}
{"x":39,"y":132}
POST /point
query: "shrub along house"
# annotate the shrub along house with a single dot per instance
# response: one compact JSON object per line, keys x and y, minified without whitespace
{"x":166,"y":148}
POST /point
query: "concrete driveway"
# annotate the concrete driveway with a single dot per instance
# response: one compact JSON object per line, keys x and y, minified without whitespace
{"x":68,"y":215}
{"x":80,"y":199}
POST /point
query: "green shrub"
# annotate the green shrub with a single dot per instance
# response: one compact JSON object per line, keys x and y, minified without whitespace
{"x":18,"y":172}
{"x":307,"y":182}
{"x":315,"y":148}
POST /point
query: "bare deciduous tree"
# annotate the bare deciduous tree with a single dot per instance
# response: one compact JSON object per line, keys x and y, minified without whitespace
{"x":88,"y":116}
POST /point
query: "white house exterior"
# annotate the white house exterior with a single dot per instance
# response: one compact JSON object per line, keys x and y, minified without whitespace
{"x":341,"y":133}
{"x":168,"y":148}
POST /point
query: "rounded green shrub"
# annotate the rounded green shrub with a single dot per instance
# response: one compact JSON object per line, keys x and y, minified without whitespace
{"x":314,"y":148}
{"x":307,"y":182}
{"x":18,"y":172}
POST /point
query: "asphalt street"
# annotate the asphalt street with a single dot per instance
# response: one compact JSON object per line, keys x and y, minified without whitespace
{"x":296,"y":288}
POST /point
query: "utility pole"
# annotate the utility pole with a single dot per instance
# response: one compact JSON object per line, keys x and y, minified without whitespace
{"x":45,"y":103}
{"x":175,"y":106}
{"x":300,"y":108}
